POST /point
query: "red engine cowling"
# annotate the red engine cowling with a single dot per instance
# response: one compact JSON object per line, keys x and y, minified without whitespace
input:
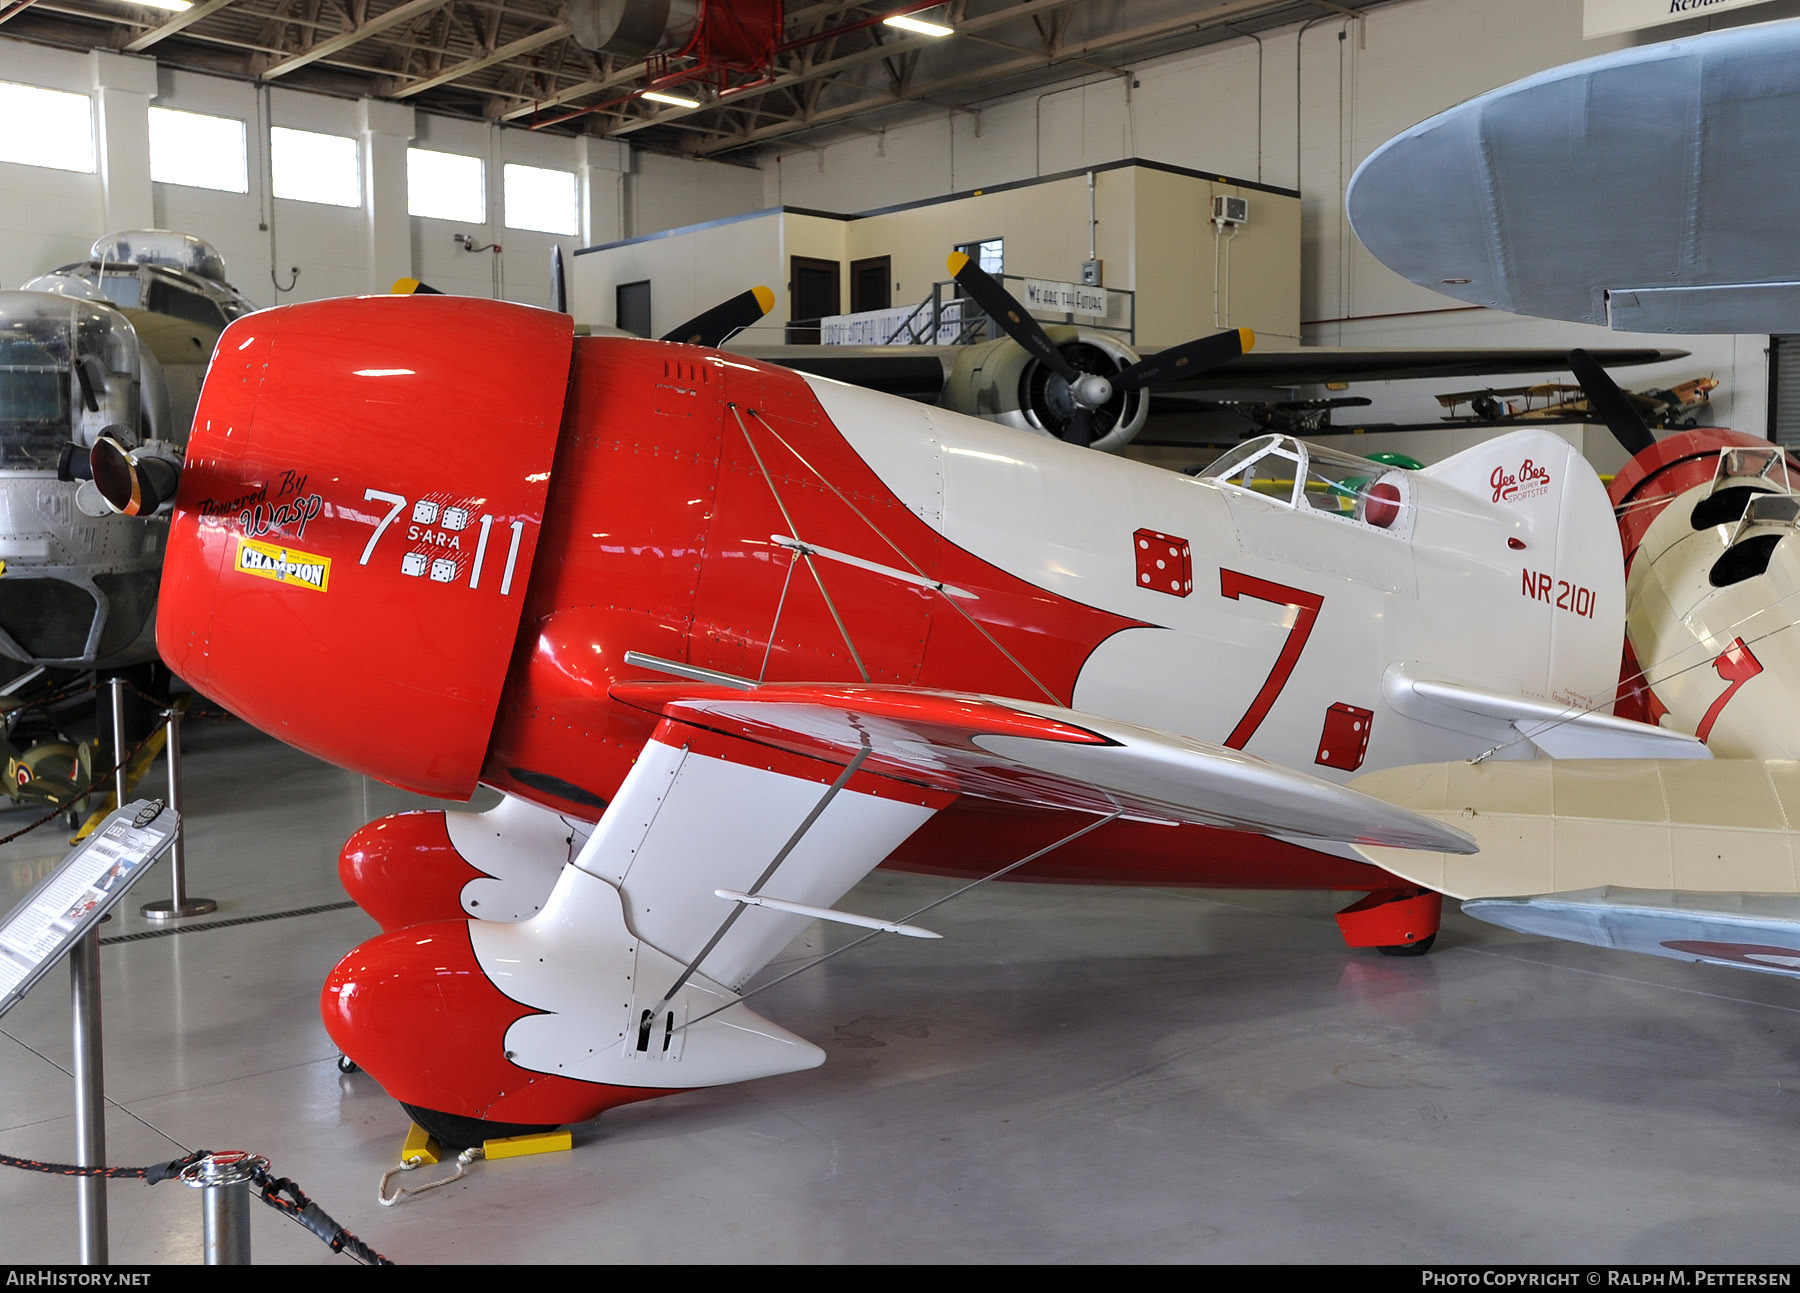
{"x":1673,"y":465}
{"x":376,"y":496}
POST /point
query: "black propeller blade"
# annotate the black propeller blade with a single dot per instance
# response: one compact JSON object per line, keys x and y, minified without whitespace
{"x":1092,"y":391}
{"x":559,"y":285}
{"x":713,"y":327}
{"x":1010,"y":315}
{"x":1185,"y":360}
{"x":1610,"y":404}
{"x":413,"y":287}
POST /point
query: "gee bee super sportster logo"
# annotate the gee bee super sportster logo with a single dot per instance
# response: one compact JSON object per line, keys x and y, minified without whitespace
{"x":1528,"y":481}
{"x":283,"y":565}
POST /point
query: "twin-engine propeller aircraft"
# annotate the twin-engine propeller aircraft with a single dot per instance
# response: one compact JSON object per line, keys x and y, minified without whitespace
{"x":108,"y":354}
{"x":726,"y":637}
{"x":1085,"y":386}
{"x":1090,"y":388}
{"x":110,"y":350}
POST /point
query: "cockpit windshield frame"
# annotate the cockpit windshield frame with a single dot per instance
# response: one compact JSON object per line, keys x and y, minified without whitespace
{"x":1312,"y":478}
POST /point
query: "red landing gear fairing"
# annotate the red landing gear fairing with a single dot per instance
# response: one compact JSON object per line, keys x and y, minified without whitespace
{"x":727,"y":638}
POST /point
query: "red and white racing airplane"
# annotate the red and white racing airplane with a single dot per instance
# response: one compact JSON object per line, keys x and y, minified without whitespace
{"x":726,"y":638}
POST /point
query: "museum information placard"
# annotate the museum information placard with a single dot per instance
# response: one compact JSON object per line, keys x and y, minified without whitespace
{"x":74,"y":897}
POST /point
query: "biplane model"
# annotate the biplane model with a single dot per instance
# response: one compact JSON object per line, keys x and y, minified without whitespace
{"x":1674,"y":408}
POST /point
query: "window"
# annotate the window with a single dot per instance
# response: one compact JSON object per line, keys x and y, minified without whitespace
{"x":310,"y":167}
{"x":46,"y":128}
{"x":199,"y":151}
{"x":989,"y":254}
{"x":181,"y":301}
{"x":540,"y":199}
{"x":445,"y":186}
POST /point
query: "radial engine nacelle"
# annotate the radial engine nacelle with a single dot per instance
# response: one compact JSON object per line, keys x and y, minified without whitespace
{"x":1000,"y":381}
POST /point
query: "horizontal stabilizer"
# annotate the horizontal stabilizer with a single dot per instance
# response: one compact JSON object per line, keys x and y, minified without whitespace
{"x":1042,"y":756}
{"x":1549,"y":826}
{"x":1560,"y":731}
{"x":1748,"y":931}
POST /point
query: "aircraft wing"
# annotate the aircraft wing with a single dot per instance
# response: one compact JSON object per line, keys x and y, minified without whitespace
{"x":1037,"y":755}
{"x":919,"y":372}
{"x":1697,"y":859}
{"x":747,"y":815}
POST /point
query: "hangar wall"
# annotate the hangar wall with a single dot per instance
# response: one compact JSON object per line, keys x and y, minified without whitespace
{"x":1297,"y":108}
{"x":51,"y":217}
{"x":1151,"y":230}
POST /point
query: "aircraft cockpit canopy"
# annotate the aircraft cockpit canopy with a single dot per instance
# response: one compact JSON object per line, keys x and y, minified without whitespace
{"x":155,"y":270}
{"x":181,"y":251}
{"x":63,"y":285}
{"x":68,"y":370}
{"x":1325,"y":481}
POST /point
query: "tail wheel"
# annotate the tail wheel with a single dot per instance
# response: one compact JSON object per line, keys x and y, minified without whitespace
{"x":1409,"y":949}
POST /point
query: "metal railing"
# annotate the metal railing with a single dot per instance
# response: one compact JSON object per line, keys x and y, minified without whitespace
{"x":945,"y":318}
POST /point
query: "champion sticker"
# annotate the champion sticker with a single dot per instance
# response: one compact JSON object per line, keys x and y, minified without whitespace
{"x":283,"y":565}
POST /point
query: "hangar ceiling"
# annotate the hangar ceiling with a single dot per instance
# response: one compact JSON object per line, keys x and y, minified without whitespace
{"x":828,"y":65}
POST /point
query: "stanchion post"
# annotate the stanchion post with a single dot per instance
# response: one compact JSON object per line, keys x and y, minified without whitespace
{"x":224,"y":1180}
{"x":117,"y":684}
{"x":179,"y":903}
{"x":90,"y":1098}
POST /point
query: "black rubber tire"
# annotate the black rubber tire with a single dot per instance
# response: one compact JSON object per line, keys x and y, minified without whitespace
{"x":347,"y":1065}
{"x":1409,"y":949}
{"x":453,"y":1130}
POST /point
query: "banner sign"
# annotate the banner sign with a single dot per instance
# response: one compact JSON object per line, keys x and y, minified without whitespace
{"x":894,"y":326}
{"x":1609,"y":17}
{"x":1043,"y":296}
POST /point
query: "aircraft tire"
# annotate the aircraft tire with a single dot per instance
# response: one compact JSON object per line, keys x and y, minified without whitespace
{"x":456,"y":1130}
{"x":1400,"y":949}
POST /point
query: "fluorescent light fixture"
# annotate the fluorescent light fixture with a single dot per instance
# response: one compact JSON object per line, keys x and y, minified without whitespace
{"x":918,"y":26}
{"x":172,"y":6}
{"x":657,"y":96}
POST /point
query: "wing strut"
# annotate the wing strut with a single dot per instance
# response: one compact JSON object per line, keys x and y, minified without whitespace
{"x":906,"y":920}
{"x":804,"y":552}
{"x":950,"y":593}
{"x":850,"y":770}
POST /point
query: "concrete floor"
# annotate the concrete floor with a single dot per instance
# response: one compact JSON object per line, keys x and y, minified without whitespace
{"x":1071,"y":1075}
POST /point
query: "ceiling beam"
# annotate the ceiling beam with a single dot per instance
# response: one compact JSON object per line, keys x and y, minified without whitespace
{"x":1031,"y":62}
{"x":15,"y":9}
{"x":399,"y":89}
{"x":580,"y":90}
{"x":400,"y":13}
{"x":175,"y":24}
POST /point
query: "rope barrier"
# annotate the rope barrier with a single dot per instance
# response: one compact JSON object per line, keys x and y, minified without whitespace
{"x":297,"y":1207}
{"x":278,"y":1192}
